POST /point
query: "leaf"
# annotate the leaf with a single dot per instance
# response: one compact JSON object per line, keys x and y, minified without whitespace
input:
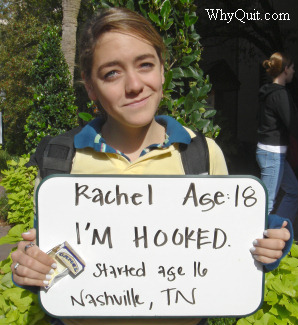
{"x":266,"y":319}
{"x":20,"y":297}
{"x":187,"y":60}
{"x":168,"y":79}
{"x":243,"y":321}
{"x":209,"y":113}
{"x":191,"y":72}
{"x":85,"y":116}
{"x":177,"y":73}
{"x":154,"y":18}
{"x":190,"y":20}
{"x":165,"y":10}
{"x":168,"y":41}
{"x":10,"y":317}
{"x":271,"y":298}
{"x":294,"y":250}
{"x":201,"y":124}
{"x":195,"y":117}
{"x":189,"y":101}
{"x":130,"y":5}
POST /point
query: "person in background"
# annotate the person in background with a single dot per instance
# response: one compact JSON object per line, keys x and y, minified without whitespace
{"x":122,"y":64}
{"x":277,"y":121}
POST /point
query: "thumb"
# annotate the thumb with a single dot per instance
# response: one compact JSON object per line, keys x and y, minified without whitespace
{"x":30,"y":235}
{"x":284,"y":224}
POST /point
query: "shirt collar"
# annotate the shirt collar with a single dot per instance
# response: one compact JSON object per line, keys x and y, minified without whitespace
{"x":90,"y":136}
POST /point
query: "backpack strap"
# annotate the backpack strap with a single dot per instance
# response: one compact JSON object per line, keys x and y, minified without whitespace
{"x":195,"y":156}
{"x":54,"y":155}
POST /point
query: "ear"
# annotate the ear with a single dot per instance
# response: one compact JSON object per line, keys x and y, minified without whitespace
{"x":89,"y":88}
{"x":162,"y":74}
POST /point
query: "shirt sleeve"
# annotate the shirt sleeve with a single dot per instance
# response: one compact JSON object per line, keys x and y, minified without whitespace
{"x":275,"y":222}
{"x":217,"y":161}
{"x":282,"y":103}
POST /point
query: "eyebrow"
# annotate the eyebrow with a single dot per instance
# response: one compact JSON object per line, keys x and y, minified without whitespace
{"x":116,"y":62}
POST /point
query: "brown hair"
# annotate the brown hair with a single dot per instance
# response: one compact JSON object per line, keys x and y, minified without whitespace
{"x":277,"y":63}
{"x":116,"y":19}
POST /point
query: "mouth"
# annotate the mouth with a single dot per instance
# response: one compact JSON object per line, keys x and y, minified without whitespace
{"x":137,"y":103}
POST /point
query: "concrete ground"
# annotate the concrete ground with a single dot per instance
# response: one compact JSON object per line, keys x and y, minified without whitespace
{"x":5,"y":249}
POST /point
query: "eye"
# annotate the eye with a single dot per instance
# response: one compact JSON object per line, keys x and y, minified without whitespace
{"x":147,"y":65}
{"x":110,"y":75}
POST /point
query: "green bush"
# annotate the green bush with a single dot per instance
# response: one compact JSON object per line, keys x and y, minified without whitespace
{"x":18,"y":181}
{"x":4,"y":207}
{"x":222,"y":321}
{"x":53,"y":110}
{"x":280,"y":305}
{"x":18,"y":306}
{"x":4,"y":157}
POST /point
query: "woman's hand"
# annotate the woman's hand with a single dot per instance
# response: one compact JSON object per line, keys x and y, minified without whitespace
{"x":269,"y":249}
{"x":31,"y":266}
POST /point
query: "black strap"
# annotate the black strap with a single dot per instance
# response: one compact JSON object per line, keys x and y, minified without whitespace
{"x":54,"y":155}
{"x":195,"y":156}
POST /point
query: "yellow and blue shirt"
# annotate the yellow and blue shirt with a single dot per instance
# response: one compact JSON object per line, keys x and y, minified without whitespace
{"x":95,"y":156}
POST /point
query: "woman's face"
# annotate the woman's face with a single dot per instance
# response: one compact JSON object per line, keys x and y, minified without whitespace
{"x":126,"y":78}
{"x":289,"y":73}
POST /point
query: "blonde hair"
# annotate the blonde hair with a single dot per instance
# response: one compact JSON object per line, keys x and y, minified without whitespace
{"x":116,"y":19}
{"x":277,"y":63}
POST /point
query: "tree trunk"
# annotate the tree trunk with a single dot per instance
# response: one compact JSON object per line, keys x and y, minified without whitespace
{"x":69,"y":30}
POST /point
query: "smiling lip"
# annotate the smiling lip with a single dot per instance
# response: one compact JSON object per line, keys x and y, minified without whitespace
{"x":138,"y":102}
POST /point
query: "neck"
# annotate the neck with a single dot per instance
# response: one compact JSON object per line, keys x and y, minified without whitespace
{"x":280,"y":80}
{"x":132,"y":140}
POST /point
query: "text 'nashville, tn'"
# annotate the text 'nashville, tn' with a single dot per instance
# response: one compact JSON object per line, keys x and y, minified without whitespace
{"x":129,"y":298}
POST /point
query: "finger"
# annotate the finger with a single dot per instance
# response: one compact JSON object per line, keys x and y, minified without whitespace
{"x":264,"y":259}
{"x":266,"y":253}
{"x":29,"y":282}
{"x":284,"y":224}
{"x":23,"y":271}
{"x":30,"y":235}
{"x":270,"y":243}
{"x":34,"y":265}
{"x":35,"y":253}
{"x":282,"y":233}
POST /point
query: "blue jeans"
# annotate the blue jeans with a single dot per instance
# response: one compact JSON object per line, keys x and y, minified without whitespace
{"x":277,"y":173}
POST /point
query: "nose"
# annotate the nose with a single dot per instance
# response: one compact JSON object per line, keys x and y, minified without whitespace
{"x":133,"y":83}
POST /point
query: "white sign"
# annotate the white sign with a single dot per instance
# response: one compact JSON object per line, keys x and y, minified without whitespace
{"x":161,"y":246}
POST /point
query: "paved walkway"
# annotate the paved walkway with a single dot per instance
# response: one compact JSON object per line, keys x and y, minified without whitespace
{"x":6,"y":248}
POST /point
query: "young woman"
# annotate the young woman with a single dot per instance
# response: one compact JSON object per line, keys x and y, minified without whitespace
{"x":278,"y":119}
{"x":122,"y":67}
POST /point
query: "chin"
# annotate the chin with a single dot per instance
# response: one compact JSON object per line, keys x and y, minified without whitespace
{"x":139,"y":122}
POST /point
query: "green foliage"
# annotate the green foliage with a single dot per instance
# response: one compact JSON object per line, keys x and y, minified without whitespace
{"x":18,"y":306}
{"x":221,"y":321}
{"x":4,"y":207}
{"x":53,"y":109}
{"x":4,"y":157}
{"x":18,"y":182}
{"x":185,"y":88}
{"x":16,"y":52}
{"x":18,"y":45}
{"x":281,"y":295}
